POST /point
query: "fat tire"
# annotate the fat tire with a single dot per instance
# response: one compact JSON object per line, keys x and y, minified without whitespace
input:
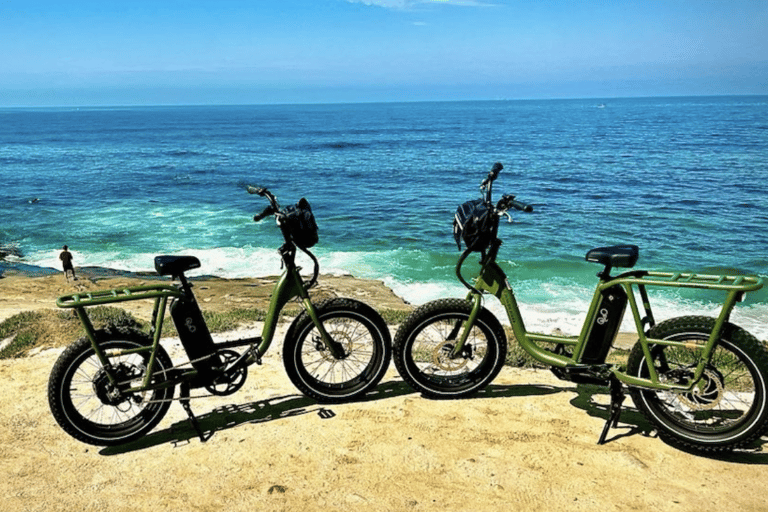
{"x":365,"y":337}
{"x":461,"y":384}
{"x":734,"y":342}
{"x":79,"y":362}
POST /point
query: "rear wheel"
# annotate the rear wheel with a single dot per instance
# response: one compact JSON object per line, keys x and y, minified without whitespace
{"x":425,"y":342}
{"x":96,"y":409}
{"x":364,"y":340}
{"x":727,"y":408}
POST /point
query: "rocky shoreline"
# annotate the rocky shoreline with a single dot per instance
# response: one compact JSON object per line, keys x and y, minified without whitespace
{"x":22,"y":292}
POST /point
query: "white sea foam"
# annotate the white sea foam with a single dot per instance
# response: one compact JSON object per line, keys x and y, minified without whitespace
{"x":545,"y":306}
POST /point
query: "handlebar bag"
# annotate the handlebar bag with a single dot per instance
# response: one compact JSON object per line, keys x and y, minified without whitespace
{"x":473,"y":223}
{"x":300,"y":223}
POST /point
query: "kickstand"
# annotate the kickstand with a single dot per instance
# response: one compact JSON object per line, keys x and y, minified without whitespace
{"x":184,"y":400}
{"x":614,"y":410}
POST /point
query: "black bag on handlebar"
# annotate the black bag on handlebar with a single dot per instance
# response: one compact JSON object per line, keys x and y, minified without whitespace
{"x":300,"y":223}
{"x":474,"y":222}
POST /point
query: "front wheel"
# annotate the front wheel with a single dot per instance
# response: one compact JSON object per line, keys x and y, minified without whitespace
{"x":727,"y":408}
{"x":91,"y":401}
{"x":365,"y":342}
{"x":424,"y":349}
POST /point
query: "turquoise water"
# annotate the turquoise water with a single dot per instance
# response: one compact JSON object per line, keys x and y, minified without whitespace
{"x":686,"y":179}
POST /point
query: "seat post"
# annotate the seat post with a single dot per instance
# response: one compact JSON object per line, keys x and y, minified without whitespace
{"x":605,"y":274}
{"x":185,"y":285}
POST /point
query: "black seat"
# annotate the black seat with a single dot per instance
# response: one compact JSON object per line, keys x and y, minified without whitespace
{"x":175,"y":265}
{"x":623,"y":256}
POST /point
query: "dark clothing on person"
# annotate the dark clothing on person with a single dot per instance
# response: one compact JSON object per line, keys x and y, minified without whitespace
{"x":66,"y":262}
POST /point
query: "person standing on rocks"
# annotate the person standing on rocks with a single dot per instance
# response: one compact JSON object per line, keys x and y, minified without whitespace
{"x":66,"y":262}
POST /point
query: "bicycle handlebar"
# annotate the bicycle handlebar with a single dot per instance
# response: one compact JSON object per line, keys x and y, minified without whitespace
{"x":497,"y":167}
{"x":517,"y":205}
{"x":274,"y":209}
{"x":506,"y":202}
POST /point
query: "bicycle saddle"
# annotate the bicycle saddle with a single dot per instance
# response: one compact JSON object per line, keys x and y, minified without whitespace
{"x":175,"y":265}
{"x":623,"y":256}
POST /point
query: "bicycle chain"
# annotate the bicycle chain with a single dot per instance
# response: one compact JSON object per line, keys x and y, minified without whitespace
{"x":189,"y":363}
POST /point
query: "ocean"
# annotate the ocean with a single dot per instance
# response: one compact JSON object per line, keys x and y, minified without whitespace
{"x":685,"y":178}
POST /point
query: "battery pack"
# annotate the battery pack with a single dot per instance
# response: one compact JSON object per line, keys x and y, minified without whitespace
{"x":605,"y":326}
{"x":194,"y":335}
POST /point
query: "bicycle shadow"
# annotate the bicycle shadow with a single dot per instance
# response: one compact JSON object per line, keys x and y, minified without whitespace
{"x":632,"y":422}
{"x":277,"y":408}
{"x":233,"y":415}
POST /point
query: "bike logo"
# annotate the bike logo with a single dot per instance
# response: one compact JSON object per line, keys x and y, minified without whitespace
{"x":190,"y":325}
{"x":603,"y":316}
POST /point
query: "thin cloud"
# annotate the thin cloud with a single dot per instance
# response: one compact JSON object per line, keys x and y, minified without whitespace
{"x":406,"y":4}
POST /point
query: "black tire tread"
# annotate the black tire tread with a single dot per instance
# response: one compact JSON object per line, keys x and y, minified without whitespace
{"x":65,"y":360}
{"x":329,"y":306}
{"x":732,"y":333}
{"x":439,"y":306}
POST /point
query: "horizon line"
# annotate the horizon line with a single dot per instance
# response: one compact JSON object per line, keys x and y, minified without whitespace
{"x":379,"y":102}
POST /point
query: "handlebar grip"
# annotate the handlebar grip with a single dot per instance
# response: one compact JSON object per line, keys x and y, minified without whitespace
{"x":256,"y":190}
{"x":497,"y":167}
{"x":517,"y":205}
{"x":266,"y":213}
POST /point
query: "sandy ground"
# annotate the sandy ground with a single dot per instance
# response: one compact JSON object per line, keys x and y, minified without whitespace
{"x":526,"y":443}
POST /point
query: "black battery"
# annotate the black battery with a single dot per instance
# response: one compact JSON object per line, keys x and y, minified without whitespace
{"x":605,"y":326}
{"x":194,"y":335}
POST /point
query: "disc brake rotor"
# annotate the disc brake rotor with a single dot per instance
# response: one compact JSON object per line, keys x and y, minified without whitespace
{"x":707,"y":394}
{"x":112,"y":394}
{"x":441,"y":358}
{"x":341,"y":337}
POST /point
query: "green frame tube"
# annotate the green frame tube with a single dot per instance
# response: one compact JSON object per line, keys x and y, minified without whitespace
{"x":493,"y":280}
{"x":289,"y":286}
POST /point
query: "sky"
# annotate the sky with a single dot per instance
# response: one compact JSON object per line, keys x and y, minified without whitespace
{"x":166,"y":52}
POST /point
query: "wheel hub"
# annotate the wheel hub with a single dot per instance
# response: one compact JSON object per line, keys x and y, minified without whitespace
{"x":707,"y":394}
{"x":442,"y":359}
{"x":344,"y":341}
{"x":112,"y":394}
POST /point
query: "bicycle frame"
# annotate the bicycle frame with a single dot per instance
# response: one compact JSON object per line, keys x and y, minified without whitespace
{"x":289,"y":286}
{"x":493,"y":280}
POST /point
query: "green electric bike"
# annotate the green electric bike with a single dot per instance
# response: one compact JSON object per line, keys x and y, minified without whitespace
{"x":702,"y":382}
{"x":116,"y":384}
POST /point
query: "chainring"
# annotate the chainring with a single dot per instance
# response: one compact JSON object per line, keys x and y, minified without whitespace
{"x":228,"y":383}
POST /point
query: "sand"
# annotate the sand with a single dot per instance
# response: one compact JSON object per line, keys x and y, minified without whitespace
{"x":526,"y":443}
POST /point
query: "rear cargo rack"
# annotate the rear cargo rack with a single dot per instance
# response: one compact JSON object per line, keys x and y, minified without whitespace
{"x":95,"y":298}
{"x":691,"y":280}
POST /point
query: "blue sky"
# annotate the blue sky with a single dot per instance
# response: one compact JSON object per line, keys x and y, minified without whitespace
{"x":306,"y":51}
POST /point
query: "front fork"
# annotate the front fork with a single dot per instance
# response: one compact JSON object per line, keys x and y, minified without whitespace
{"x":465,"y":327}
{"x":289,"y":287}
{"x":336,"y":349}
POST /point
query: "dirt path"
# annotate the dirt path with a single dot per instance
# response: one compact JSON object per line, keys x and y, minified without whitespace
{"x":527,"y":443}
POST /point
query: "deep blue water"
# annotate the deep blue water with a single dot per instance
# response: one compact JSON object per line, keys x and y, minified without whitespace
{"x":686,"y":179}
